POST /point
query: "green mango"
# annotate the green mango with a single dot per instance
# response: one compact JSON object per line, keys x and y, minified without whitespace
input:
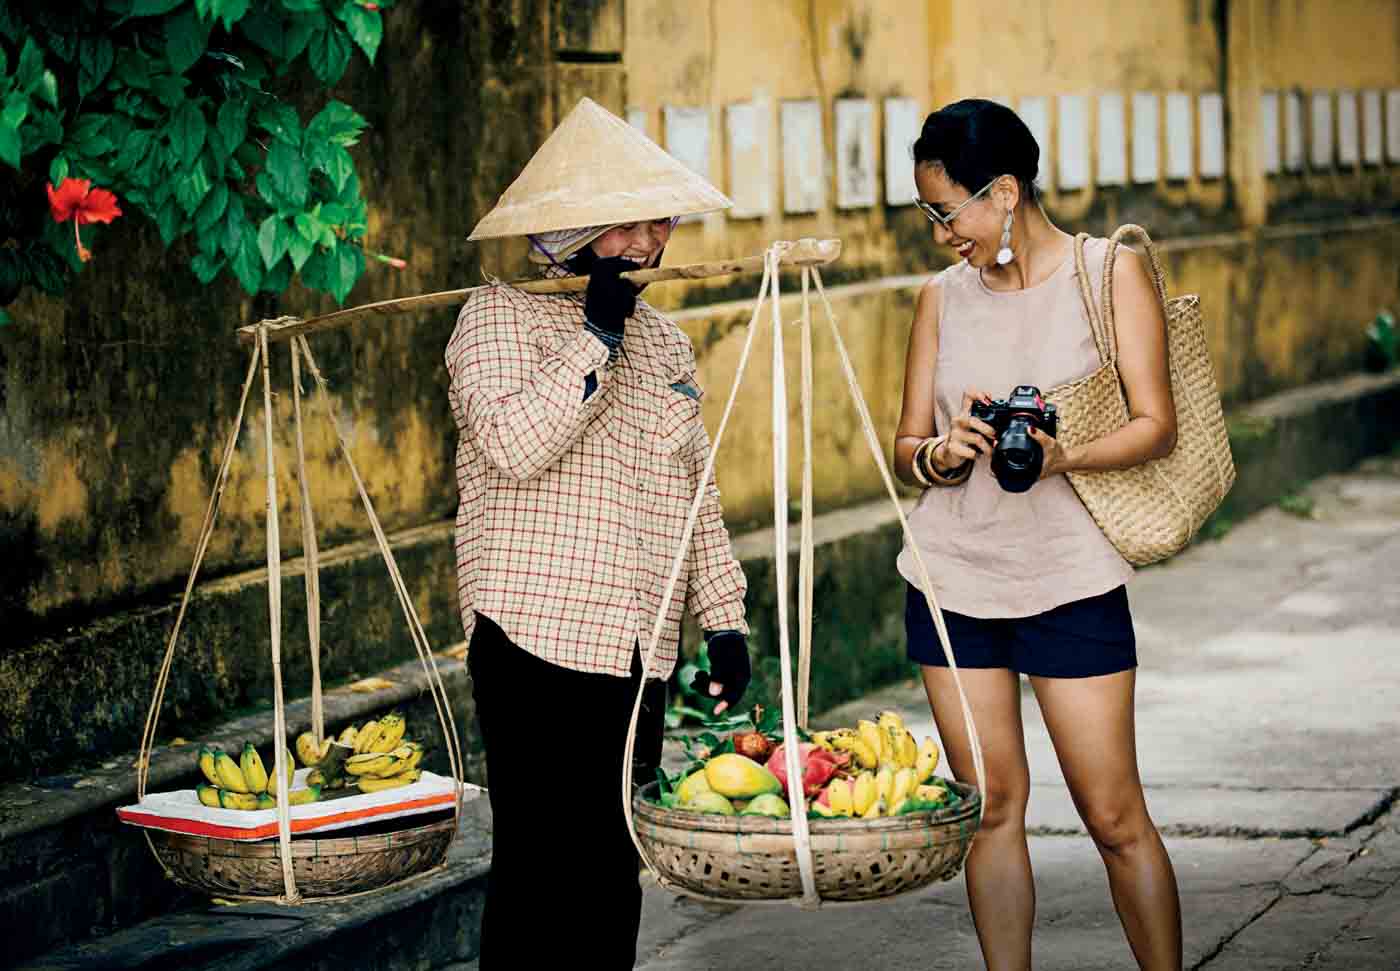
{"x":767,"y":804}
{"x":709,"y":802}
{"x":694,"y":784}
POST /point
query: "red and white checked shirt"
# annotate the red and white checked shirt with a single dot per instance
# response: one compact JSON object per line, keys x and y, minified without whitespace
{"x":570,"y":510}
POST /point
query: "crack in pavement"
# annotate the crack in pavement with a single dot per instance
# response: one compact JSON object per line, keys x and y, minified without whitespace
{"x":1327,"y":879}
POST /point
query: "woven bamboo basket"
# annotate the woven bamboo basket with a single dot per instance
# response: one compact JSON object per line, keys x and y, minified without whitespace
{"x":754,"y":857}
{"x":324,"y":867}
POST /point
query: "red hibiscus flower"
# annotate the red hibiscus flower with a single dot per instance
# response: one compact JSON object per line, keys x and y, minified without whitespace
{"x":77,"y":200}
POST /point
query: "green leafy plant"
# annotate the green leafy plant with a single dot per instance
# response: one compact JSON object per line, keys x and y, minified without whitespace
{"x":180,"y":108}
{"x":1382,"y":343}
{"x":1297,"y":504}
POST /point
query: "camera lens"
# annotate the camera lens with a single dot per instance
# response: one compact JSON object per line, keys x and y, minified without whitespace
{"x":1017,"y":458}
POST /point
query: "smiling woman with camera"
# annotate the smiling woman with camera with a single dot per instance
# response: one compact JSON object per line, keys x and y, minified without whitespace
{"x":1029,"y":583}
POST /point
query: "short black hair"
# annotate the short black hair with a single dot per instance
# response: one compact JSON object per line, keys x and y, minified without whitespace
{"x":975,"y":141}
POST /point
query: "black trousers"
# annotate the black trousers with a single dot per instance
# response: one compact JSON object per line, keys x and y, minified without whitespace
{"x":563,"y":886}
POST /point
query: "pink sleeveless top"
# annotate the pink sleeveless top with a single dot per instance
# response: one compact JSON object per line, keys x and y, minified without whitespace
{"x":992,"y":553}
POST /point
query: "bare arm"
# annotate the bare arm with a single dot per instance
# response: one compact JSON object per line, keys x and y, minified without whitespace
{"x":916,"y":416}
{"x":968,"y":437}
{"x":1141,"y":332}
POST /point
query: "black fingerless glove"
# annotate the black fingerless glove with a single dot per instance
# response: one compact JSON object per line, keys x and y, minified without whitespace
{"x":729,"y":666}
{"x":610,"y":300}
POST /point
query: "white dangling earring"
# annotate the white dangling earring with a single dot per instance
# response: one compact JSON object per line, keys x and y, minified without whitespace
{"x":1004,"y":255}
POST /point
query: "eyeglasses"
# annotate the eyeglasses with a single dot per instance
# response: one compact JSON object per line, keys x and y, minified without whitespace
{"x":934,"y":216}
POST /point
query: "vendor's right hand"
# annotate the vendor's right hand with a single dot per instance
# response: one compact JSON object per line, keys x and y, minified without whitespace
{"x":610,"y":300}
{"x":968,"y":437}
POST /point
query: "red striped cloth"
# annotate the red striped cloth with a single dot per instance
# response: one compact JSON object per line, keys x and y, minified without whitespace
{"x":570,"y":511}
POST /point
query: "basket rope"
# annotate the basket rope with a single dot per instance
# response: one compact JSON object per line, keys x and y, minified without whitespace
{"x":793,"y":715}
{"x":312,"y":550}
{"x":259,"y":362}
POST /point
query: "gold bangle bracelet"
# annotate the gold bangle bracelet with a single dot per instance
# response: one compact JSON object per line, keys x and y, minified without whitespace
{"x":916,"y":465}
{"x":952,"y":477}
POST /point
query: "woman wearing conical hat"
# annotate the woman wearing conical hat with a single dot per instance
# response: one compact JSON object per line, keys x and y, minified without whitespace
{"x":580,"y":448}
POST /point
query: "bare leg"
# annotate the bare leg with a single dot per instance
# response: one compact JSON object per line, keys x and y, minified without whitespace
{"x":1000,"y":886}
{"x":1091,"y":725}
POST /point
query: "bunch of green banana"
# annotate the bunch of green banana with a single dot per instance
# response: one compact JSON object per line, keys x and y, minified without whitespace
{"x":245,"y":784}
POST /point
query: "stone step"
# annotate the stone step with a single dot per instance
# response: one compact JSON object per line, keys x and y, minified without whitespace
{"x":70,"y":870}
{"x":429,"y":921}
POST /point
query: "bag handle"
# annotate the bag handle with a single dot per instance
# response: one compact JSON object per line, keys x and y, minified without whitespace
{"x":1101,"y":322}
{"x":1107,"y":351}
{"x":1159,"y":276}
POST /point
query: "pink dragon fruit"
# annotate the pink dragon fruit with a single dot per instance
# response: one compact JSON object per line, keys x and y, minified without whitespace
{"x":818,"y":765}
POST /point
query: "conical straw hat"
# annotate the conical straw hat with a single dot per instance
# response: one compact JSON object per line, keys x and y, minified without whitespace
{"x":595,"y":169}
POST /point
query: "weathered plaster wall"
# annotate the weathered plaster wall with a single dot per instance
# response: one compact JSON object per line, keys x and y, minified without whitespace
{"x":115,"y":402}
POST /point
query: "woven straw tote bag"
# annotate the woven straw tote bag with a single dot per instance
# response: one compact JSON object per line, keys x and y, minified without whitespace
{"x":1152,"y":510}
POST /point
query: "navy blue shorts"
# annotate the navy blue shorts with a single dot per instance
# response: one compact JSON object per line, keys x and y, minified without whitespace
{"x":1081,"y":639}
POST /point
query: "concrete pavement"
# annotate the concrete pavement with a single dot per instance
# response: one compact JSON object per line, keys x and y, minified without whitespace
{"x":1268,"y":709}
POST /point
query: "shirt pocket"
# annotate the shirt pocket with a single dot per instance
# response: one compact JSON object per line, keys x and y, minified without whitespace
{"x":679,"y":429}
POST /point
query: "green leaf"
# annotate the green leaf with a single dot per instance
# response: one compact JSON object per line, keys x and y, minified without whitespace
{"x":299,"y":247}
{"x":191,"y":189}
{"x":95,"y":57}
{"x":308,"y":226}
{"x":168,"y":221}
{"x":287,"y":171}
{"x":15,"y":111}
{"x":153,"y":8}
{"x":331,"y":159}
{"x":235,"y":226}
{"x":337,"y":123}
{"x":134,"y":149}
{"x":169,"y":89}
{"x":30,"y":72}
{"x":267,"y":31}
{"x":329,"y":53}
{"x":366,"y":28}
{"x":187,"y":130}
{"x":186,"y":37}
{"x":211,"y":210}
{"x":47,"y":89}
{"x":274,"y":236}
{"x":5,"y":318}
{"x":301,"y":6}
{"x":280,"y":121}
{"x":133,"y":69}
{"x":206,"y":267}
{"x":334,"y":214}
{"x":233,"y":123}
{"x":58,"y":170}
{"x":300,"y":30}
{"x":230,"y":11}
{"x":247,"y":263}
{"x":87,"y":137}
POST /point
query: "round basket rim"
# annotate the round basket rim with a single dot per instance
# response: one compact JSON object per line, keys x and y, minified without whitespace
{"x":969,"y":806}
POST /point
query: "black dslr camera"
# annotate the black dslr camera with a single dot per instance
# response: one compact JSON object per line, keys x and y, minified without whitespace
{"x":1017,"y":457}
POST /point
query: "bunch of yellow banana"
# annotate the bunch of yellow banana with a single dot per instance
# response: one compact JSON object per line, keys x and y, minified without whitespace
{"x":244,"y":784}
{"x":377,"y":771}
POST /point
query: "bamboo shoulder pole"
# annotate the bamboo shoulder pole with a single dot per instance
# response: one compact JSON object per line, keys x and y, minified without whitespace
{"x":803,"y":252}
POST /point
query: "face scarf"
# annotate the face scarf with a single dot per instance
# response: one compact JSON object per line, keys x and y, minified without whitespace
{"x":554,"y":248}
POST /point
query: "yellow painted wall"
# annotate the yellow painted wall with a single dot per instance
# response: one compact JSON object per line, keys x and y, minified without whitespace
{"x":1283,"y":307}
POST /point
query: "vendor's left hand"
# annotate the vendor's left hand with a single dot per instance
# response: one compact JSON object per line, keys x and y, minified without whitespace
{"x":1056,"y":458}
{"x":729,"y":672}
